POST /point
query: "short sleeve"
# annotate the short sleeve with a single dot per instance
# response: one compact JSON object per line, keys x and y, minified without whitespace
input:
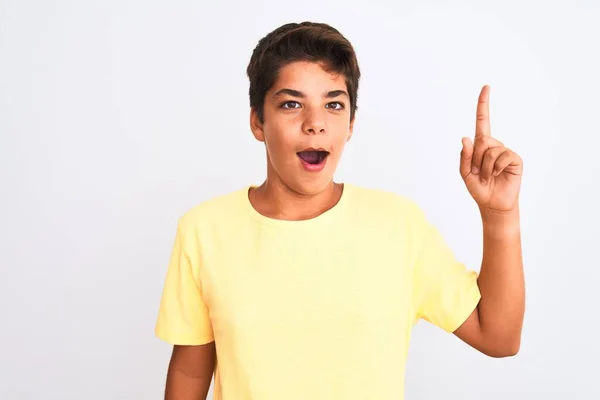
{"x":183,"y":316}
{"x":446,"y":292}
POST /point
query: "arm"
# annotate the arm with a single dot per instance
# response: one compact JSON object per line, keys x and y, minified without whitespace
{"x":492,"y":174}
{"x":494,"y":327}
{"x":184,"y":321}
{"x":190,"y":372}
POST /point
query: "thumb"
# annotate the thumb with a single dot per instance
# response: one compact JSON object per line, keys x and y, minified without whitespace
{"x":466,"y":157}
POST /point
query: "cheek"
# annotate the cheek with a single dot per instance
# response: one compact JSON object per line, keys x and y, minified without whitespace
{"x":342,"y":134}
{"x":279,"y":141}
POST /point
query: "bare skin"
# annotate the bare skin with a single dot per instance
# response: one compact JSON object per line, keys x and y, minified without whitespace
{"x":306,"y":107}
{"x":492,"y":174}
{"x":190,"y":372}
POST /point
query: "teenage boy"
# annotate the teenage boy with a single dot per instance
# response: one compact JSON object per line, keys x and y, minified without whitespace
{"x":306,"y":288}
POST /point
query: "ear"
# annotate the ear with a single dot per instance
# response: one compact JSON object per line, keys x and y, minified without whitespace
{"x":351,"y":129}
{"x":256,"y":126}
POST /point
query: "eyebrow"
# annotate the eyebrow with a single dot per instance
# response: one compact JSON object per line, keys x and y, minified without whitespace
{"x":296,"y":93}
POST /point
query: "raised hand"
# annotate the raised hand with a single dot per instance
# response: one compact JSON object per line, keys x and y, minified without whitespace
{"x":491,"y":172}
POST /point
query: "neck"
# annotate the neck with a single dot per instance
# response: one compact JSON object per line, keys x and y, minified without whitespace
{"x":275,"y":199}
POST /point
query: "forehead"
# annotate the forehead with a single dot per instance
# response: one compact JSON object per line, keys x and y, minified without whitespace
{"x":308,"y":77}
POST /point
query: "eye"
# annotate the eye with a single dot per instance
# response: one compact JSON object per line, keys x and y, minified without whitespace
{"x":290,"y":105}
{"x":336,"y":105}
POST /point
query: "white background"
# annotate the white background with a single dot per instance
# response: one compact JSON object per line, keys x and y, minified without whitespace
{"x":117,"y":117}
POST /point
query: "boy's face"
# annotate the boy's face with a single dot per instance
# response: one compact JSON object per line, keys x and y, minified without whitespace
{"x":306,"y":126}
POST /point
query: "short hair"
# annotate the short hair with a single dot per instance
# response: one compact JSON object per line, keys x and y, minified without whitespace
{"x":305,"y":41}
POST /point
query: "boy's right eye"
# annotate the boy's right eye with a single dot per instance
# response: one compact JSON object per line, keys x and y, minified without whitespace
{"x":290,"y":104}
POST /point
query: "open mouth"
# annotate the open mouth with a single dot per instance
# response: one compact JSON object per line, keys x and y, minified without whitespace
{"x":313,"y":157}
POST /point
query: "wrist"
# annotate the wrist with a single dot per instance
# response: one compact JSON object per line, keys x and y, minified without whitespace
{"x":501,"y":224}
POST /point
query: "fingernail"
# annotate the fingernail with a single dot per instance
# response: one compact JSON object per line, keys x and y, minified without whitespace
{"x":475,"y":170}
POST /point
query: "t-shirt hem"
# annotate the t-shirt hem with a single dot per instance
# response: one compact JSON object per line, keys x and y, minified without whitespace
{"x":466,"y":311}
{"x":183,"y":340}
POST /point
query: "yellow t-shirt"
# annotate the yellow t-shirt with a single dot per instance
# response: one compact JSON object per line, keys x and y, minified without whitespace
{"x":314,"y":309}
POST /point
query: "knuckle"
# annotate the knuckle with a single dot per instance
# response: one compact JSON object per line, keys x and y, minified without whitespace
{"x":489,"y":161}
{"x":497,"y":151}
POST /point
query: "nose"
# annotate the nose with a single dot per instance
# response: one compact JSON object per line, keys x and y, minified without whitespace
{"x":314,"y":124}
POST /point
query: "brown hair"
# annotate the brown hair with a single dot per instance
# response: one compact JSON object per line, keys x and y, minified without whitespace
{"x":306,"y":41}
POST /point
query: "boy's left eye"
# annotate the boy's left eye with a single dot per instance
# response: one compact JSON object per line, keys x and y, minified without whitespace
{"x":335,"y":105}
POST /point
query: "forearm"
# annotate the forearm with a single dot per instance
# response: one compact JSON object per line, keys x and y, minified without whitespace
{"x":501,"y":281}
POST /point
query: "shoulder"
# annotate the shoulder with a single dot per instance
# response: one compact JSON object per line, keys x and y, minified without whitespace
{"x":222,"y":208}
{"x":388,"y":213}
{"x":384,"y":201}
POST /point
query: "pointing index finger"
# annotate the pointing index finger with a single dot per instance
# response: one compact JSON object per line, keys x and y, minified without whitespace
{"x":482,"y":125}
